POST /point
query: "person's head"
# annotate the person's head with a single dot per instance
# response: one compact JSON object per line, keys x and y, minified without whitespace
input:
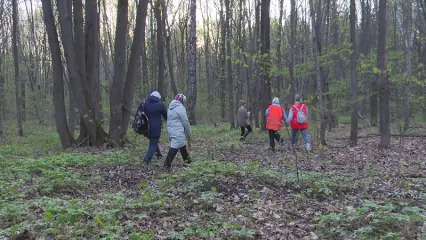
{"x":181,"y":98}
{"x":156,"y":94}
{"x":276,"y":100}
{"x":298,"y":98}
{"x":242,"y":103}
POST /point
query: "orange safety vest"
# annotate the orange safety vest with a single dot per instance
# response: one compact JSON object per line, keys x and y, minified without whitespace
{"x":274,"y":121}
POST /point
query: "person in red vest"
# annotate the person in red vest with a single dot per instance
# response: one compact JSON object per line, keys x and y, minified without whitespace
{"x":298,"y":119}
{"x":275,"y":116}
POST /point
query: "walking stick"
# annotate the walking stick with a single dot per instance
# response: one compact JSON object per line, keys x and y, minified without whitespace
{"x":295,"y":154}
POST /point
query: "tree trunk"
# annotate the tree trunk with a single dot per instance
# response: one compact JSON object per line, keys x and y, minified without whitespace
{"x":266,"y":59}
{"x":293,"y":25}
{"x":222,"y":61}
{"x":2,"y":79}
{"x":374,"y":103}
{"x":192,"y":57}
{"x":385,"y":131}
{"x":408,"y":40}
{"x":278,"y":78}
{"x":169,"y":54}
{"x":354,"y":86}
{"x":79,"y":85}
{"x":16,"y":58}
{"x":116,"y":96}
{"x":230,"y":86}
{"x":318,"y":74}
{"x":207,"y":60}
{"x":93,"y":56}
{"x":134,"y":63}
{"x":159,"y":5}
{"x":58,"y":81}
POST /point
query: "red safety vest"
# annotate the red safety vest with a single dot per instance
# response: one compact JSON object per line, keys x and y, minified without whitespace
{"x":294,"y":123}
{"x":274,"y":121}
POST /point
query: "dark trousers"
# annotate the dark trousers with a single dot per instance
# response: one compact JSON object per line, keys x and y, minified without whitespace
{"x":172,"y":154}
{"x":153,"y":148}
{"x":245,"y":133}
{"x":273,"y":135}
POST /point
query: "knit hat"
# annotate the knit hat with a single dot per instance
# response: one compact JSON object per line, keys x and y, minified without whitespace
{"x":275,"y":100}
{"x":181,"y":98}
{"x":156,"y":94}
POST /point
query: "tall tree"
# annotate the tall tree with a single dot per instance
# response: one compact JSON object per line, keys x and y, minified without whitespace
{"x":318,"y":74}
{"x":16,"y":57}
{"x":192,"y":63}
{"x":230,"y":86}
{"x":58,"y":81}
{"x":91,"y":131}
{"x":354,"y":85}
{"x":2,"y":79}
{"x":385,"y":131}
{"x":158,"y":9}
{"x":408,"y":34}
{"x":293,"y":26}
{"x":265,"y":47}
{"x":134,"y":62}
{"x":116,"y":96}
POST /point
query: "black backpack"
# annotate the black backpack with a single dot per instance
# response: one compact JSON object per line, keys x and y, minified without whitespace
{"x":141,"y":123}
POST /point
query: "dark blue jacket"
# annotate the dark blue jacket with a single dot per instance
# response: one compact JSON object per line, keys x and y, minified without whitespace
{"x":154,"y":109}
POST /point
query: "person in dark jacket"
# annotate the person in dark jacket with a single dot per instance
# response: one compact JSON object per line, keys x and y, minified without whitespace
{"x":244,"y":121}
{"x":154,"y":109}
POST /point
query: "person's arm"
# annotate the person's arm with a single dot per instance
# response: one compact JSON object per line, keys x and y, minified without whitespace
{"x":164,"y":112}
{"x":290,"y":116}
{"x":284,"y":115}
{"x":185,"y":122}
{"x":267,"y":112}
{"x":306,"y":111}
{"x":246,"y":116}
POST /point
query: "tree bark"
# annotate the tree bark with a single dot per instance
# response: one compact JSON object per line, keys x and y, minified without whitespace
{"x":354,"y":86}
{"x":134,"y":62}
{"x":159,"y":5}
{"x":385,"y":131}
{"x":77,"y":81}
{"x":222,"y":61}
{"x":230,"y":86}
{"x":169,"y":54}
{"x":192,"y":57}
{"x":2,"y":79}
{"x":116,"y":96}
{"x":293,"y":25}
{"x":58,"y":81}
{"x":266,"y":58}
{"x":318,"y":75}
{"x":408,"y":43}
{"x":278,"y":78}
{"x":16,"y":58}
{"x":93,"y":56}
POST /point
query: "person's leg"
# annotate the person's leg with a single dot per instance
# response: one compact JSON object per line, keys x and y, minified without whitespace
{"x":170,"y":156}
{"x":152,"y":148}
{"x":249,"y":130}
{"x":185,"y":155}
{"x":305,"y":136}
{"x":271,"y":139}
{"x":294,"y":133}
{"x":242,"y":131}
{"x":158,"y":151}
{"x":277,"y":137}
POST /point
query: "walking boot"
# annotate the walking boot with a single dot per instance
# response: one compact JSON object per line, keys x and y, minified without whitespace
{"x":169,"y":158}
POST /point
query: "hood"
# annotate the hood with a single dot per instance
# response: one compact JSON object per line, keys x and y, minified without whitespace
{"x":276,"y":101}
{"x":153,"y":99}
{"x":156,"y":94}
{"x":174,"y":104}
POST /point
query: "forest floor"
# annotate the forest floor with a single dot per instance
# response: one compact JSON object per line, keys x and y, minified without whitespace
{"x":230,"y":191}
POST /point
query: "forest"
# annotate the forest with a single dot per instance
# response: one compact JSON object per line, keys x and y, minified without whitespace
{"x":73,"y":73}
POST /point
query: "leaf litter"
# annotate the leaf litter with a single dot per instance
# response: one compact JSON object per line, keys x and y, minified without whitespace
{"x":240,"y":191}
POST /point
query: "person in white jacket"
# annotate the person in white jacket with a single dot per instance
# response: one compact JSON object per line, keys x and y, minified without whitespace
{"x":178,"y":129}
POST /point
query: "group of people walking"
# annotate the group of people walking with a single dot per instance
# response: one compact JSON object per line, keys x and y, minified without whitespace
{"x":276,"y":118}
{"x":179,"y":129}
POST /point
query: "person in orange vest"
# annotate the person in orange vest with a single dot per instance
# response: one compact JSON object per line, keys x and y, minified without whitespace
{"x":275,"y":116}
{"x":298,"y":119}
